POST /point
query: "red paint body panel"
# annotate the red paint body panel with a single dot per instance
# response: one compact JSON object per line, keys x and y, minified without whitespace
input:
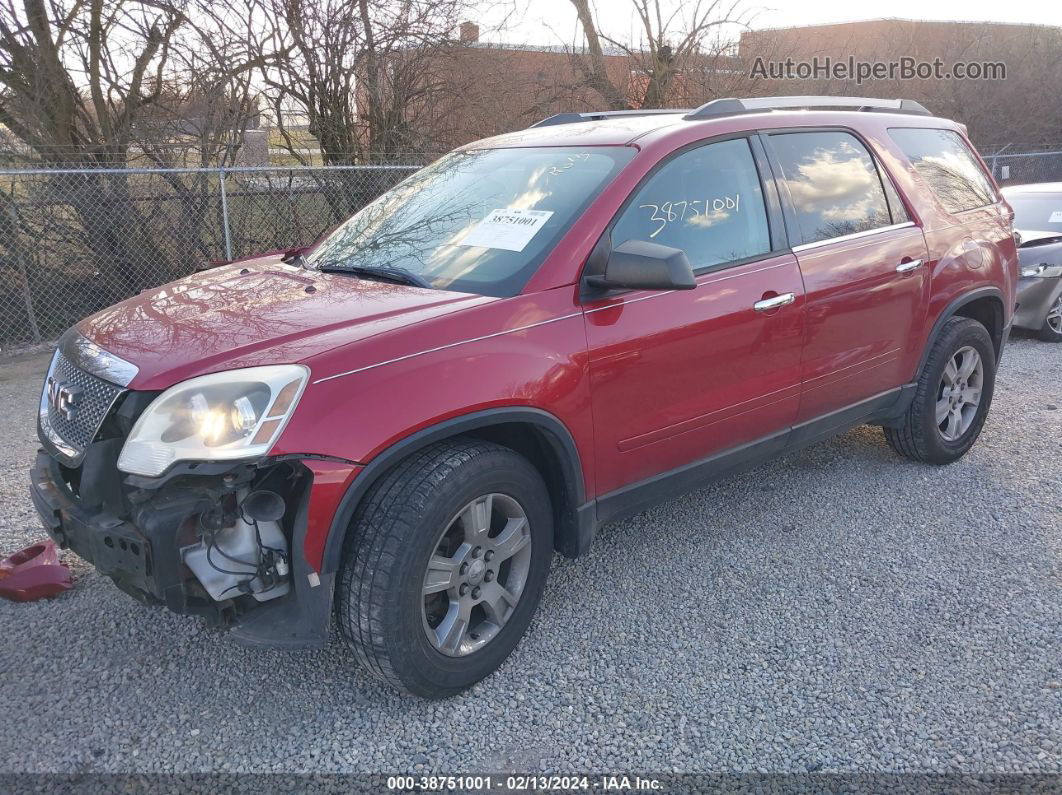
{"x":256,"y":312}
{"x":331,"y":479}
{"x":678,"y":376}
{"x":644,"y":382}
{"x":529,"y":350}
{"x":34,"y":573}
{"x":865,"y":320}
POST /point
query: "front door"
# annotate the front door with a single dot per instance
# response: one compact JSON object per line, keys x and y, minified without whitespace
{"x":678,"y":377}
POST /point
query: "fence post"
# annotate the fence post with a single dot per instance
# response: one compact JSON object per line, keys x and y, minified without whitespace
{"x":994,"y":156}
{"x":23,"y":272}
{"x":27,"y":296}
{"x":225,"y":216}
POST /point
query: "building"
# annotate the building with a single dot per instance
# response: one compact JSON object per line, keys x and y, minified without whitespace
{"x":482,"y":89}
{"x":1005,"y":102}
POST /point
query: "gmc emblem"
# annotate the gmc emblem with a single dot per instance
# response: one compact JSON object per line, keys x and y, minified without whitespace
{"x":63,"y":398}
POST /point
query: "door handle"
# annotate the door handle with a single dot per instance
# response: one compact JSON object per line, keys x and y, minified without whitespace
{"x":767,"y":304}
{"x":907,"y":267}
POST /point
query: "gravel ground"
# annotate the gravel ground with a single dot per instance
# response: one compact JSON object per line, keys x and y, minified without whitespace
{"x":838,"y":609}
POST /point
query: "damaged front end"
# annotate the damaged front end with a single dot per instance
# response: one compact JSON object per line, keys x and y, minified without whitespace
{"x":223,"y":540}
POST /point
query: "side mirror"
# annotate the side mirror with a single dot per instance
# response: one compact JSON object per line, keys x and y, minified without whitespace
{"x":641,"y":265}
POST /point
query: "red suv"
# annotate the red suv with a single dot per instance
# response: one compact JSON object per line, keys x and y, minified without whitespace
{"x":537,"y":334}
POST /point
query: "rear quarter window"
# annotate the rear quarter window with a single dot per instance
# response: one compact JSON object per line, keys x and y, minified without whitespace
{"x":944,"y":160}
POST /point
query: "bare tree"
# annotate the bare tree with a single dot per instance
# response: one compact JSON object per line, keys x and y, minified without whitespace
{"x":67,"y":87}
{"x":357,"y":72}
{"x":681,"y":54}
{"x":104,"y":83}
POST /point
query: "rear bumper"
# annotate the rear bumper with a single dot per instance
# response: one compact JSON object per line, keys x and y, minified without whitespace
{"x":1035,"y":294}
{"x":142,"y":554}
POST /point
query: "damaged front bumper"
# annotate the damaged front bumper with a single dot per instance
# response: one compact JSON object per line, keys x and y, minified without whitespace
{"x":137,"y":540}
{"x":1035,"y":296}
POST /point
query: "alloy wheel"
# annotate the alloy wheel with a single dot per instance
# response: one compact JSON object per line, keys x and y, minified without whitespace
{"x":959,"y":393}
{"x":476,"y":574}
{"x":1054,"y":316}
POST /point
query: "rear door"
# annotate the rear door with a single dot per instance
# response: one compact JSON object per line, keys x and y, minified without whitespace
{"x":864,"y":265}
{"x":677,"y":377}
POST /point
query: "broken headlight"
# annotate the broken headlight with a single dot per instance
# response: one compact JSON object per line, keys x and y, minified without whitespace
{"x":219,"y":417}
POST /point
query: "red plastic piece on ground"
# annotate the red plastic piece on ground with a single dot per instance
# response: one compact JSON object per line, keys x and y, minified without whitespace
{"x":34,"y":573}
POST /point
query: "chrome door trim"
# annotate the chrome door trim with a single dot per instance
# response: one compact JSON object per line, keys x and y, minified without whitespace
{"x":854,"y":236}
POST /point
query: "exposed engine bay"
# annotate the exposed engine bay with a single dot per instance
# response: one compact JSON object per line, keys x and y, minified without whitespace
{"x":250,"y":556}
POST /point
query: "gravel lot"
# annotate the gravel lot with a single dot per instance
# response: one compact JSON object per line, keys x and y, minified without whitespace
{"x":838,"y":609}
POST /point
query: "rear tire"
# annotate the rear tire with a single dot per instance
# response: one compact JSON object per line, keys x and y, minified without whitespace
{"x":1051,"y":331}
{"x":455,"y":533}
{"x":941,"y":423}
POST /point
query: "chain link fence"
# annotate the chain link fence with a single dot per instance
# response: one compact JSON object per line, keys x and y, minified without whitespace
{"x":73,"y":241}
{"x":1019,"y":168}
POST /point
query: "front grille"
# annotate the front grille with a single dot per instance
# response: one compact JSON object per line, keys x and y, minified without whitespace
{"x":71,"y":419}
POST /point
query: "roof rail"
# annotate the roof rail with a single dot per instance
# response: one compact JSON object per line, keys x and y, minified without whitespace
{"x":730,"y":106}
{"x":571,"y":118}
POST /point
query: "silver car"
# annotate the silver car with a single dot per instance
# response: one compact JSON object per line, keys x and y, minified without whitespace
{"x":1038,"y":222}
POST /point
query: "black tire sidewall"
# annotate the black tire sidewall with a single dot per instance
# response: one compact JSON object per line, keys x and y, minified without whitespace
{"x":964,"y":333}
{"x":425,"y":670}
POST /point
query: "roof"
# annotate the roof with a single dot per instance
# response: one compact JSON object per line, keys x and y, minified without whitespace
{"x":897,"y":20}
{"x":1033,"y":187}
{"x":623,"y":130}
{"x":604,"y":132}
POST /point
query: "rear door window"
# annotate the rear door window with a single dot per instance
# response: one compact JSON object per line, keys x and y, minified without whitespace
{"x":834,"y":184}
{"x":942,"y":158}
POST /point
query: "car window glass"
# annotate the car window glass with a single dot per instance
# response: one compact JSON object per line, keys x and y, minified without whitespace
{"x":834,"y":184}
{"x":944,"y":160}
{"x":706,"y":201}
{"x":477,"y":221}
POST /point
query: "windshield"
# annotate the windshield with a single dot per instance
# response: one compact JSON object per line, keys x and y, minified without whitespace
{"x":1040,"y":213}
{"x":476,"y":222}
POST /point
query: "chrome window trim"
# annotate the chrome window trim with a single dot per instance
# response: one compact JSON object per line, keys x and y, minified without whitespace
{"x":94,"y":360}
{"x":853,"y":236}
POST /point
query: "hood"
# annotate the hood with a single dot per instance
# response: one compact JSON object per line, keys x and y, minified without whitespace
{"x":255,"y":312}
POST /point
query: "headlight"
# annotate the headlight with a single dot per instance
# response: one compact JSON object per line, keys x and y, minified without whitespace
{"x":1042,"y":270}
{"x":218,"y":417}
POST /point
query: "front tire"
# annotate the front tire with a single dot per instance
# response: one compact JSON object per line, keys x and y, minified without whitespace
{"x":952,"y":397}
{"x":444,"y":566}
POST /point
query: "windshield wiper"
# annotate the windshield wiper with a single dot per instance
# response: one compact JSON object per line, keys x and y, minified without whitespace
{"x":385,"y":272}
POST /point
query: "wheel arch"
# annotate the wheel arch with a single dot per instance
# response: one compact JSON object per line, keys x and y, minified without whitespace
{"x":536,"y":434}
{"x":985,"y":305}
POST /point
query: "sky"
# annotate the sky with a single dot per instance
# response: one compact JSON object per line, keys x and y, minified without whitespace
{"x":554,"y":22}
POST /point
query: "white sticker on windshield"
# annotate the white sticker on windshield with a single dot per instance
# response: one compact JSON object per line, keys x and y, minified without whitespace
{"x":510,"y":230}
{"x":1056,"y":217}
